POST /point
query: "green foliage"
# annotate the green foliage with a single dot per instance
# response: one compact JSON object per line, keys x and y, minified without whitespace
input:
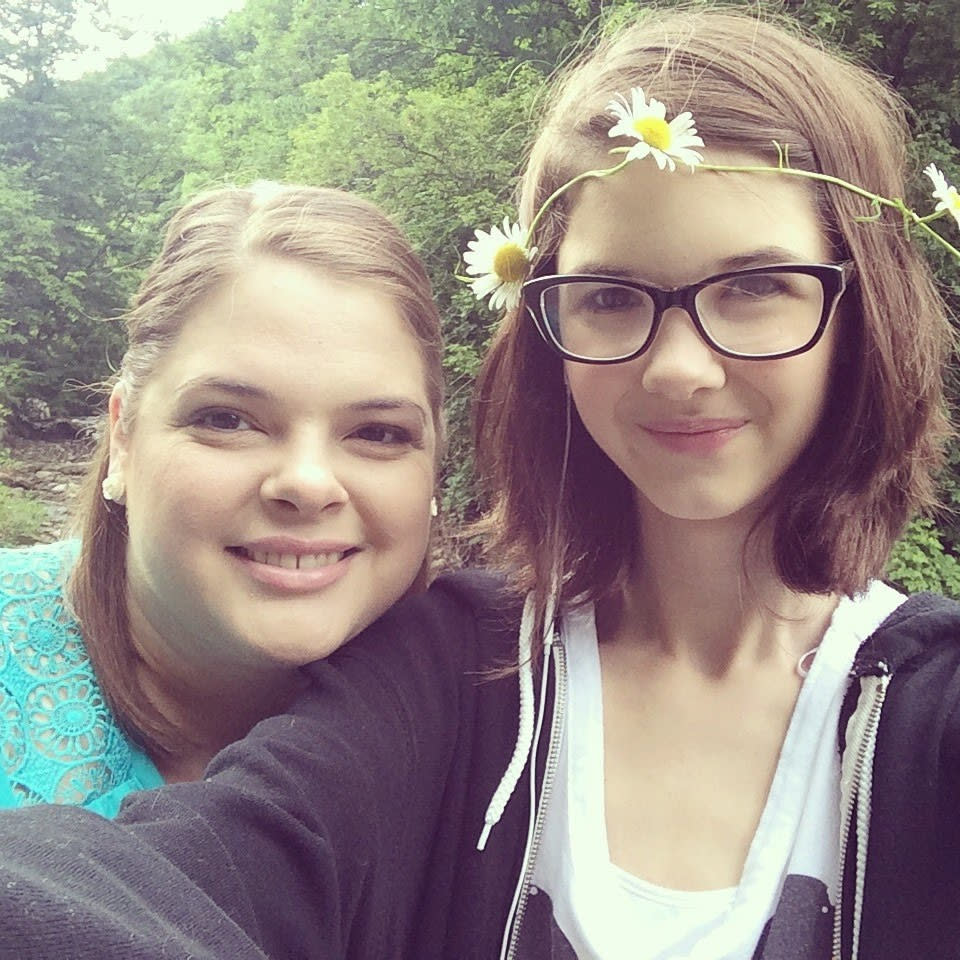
{"x":919,"y":561}
{"x":21,"y":517}
{"x":424,"y":106}
{"x":72,"y":208}
{"x":34,"y":36}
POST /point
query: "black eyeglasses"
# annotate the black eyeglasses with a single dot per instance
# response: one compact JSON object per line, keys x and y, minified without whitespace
{"x":764,"y":313}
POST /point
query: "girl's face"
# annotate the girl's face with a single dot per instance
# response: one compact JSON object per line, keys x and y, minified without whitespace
{"x":278,"y":471}
{"x":701,"y":436}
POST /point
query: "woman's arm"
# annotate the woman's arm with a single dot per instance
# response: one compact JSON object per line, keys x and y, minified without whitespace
{"x":308,"y":838}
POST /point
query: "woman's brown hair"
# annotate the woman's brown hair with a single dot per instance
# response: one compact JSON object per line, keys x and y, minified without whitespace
{"x":837,"y":511}
{"x":208,"y":241}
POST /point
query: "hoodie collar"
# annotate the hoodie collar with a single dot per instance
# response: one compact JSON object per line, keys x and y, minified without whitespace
{"x":924,"y":621}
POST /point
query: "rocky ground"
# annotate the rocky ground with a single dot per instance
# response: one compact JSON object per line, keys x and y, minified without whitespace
{"x":51,"y":472}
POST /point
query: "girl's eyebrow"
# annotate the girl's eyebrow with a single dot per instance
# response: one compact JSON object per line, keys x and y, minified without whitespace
{"x":595,"y":268}
{"x":761,"y":257}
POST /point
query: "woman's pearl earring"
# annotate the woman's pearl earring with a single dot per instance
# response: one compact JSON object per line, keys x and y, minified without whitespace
{"x":113,"y":489}
{"x":434,"y":509}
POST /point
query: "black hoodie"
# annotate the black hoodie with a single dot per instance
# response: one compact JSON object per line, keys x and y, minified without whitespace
{"x":348,"y":827}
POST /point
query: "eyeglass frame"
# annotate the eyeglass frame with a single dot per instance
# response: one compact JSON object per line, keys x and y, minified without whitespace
{"x":837,"y":276}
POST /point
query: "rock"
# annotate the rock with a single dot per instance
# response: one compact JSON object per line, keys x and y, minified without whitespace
{"x":33,"y":420}
{"x":51,"y":473}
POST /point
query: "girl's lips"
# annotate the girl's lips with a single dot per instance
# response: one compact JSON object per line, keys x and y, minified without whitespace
{"x":697,"y":437}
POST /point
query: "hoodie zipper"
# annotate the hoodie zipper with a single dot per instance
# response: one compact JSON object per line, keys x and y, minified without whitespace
{"x":864,"y":747}
{"x":550,"y":768}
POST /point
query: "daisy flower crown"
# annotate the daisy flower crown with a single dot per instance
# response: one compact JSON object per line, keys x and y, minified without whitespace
{"x":499,"y":260}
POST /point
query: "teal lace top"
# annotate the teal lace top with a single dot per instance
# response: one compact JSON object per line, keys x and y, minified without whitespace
{"x":59,"y":741}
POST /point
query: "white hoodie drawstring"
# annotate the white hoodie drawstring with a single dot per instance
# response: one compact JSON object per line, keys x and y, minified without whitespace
{"x":511,"y":776}
{"x":525,"y":744}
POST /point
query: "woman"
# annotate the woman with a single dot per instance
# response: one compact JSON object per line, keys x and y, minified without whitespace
{"x":704,"y":426}
{"x":263,"y":493}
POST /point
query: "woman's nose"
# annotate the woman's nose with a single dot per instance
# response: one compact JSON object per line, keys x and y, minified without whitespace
{"x":304,"y":478}
{"x":679,"y":363}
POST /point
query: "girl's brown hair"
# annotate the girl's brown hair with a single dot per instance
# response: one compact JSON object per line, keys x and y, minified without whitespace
{"x":208,"y":242}
{"x":839,"y":508}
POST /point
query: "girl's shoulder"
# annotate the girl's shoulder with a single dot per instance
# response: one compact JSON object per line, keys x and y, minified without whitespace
{"x":924,"y":628}
{"x":473,"y":611}
{"x":428,"y":649}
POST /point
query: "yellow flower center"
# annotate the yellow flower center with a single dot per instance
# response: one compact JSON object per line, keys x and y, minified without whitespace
{"x":510,"y":263}
{"x":953,"y":199}
{"x":654,"y":131}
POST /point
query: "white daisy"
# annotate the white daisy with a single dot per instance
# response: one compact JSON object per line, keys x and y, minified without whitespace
{"x":647,"y":124}
{"x":500,"y":260}
{"x":944,"y":192}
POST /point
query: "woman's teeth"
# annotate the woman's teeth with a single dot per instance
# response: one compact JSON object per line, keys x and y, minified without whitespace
{"x":294,"y":561}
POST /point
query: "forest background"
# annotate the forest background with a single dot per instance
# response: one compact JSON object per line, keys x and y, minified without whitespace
{"x":424,"y":106}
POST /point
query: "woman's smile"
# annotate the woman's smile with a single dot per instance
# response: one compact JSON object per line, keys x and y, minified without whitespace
{"x":294,"y":561}
{"x":295,"y":572}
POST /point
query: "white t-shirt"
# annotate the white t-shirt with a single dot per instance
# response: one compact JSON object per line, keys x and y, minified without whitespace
{"x":783,"y":905}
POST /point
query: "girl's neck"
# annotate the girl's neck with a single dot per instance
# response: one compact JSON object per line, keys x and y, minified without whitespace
{"x":708,"y":592}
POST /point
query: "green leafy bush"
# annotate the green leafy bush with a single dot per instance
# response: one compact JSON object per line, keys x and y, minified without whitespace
{"x":920,"y":562}
{"x":21,"y":517}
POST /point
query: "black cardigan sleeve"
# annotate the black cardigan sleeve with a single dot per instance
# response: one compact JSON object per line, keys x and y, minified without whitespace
{"x":307,"y":839}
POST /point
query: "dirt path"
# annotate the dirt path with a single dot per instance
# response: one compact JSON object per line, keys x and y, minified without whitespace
{"x":51,"y":472}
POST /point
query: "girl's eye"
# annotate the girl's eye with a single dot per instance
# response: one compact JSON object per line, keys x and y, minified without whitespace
{"x":222,"y":420}
{"x":613,"y":298}
{"x":759,"y":285}
{"x":384,"y":433}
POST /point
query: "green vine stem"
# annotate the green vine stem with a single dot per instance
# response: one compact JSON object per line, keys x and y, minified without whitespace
{"x":875,"y":199}
{"x":560,"y":191}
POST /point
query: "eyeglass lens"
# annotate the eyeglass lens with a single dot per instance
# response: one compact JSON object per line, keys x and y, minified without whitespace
{"x":749,"y":314}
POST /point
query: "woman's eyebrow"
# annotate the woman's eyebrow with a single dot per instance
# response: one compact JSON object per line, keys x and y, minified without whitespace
{"x":378,"y":404}
{"x":238,"y":388}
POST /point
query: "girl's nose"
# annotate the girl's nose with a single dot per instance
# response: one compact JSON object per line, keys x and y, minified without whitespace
{"x":679,"y":363}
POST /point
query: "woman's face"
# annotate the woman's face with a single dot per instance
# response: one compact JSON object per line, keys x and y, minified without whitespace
{"x":279,"y":469}
{"x":700,"y":436}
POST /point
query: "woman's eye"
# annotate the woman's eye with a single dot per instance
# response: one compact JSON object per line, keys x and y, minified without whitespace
{"x":383,"y":433}
{"x":221,"y":420}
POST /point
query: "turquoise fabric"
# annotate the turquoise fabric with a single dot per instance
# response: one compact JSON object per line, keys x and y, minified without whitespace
{"x":59,"y":741}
